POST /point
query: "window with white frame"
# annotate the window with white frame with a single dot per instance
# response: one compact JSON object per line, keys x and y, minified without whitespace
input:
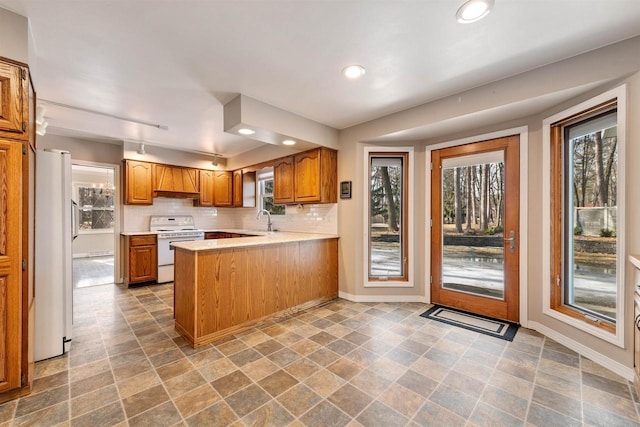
{"x":585,"y":192}
{"x":265,"y":193}
{"x":96,"y":207}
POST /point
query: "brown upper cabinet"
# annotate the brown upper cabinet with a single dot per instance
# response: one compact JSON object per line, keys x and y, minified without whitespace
{"x":283,"y":177}
{"x":138,"y":183}
{"x":206,"y":188}
{"x":309,"y":177}
{"x":14,"y":101}
{"x":223,"y":188}
{"x":237,"y":188}
{"x":244,"y":189}
{"x":175,"y":179}
{"x":17,"y":223}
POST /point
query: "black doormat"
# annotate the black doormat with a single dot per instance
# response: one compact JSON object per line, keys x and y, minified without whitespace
{"x":473,"y":322}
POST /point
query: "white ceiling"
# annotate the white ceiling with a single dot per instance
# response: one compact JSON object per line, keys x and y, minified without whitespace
{"x":177,"y":63}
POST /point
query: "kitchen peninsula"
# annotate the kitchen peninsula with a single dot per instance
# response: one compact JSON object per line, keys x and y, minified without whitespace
{"x":223,"y":286}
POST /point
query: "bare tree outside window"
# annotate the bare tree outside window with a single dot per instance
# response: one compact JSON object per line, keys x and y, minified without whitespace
{"x":387,"y":235}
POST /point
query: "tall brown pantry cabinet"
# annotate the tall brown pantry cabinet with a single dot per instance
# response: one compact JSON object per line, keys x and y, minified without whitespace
{"x":17,"y":297}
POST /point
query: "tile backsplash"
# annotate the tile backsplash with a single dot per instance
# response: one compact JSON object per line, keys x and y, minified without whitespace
{"x":301,"y":218}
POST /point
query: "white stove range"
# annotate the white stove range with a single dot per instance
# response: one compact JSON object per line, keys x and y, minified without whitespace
{"x":178,"y":228}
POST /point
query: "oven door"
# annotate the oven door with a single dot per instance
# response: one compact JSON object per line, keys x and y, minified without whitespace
{"x":166,"y":255}
{"x":165,"y":251}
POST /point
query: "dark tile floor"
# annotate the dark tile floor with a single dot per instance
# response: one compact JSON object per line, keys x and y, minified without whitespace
{"x":342,"y":364}
{"x":93,"y":271}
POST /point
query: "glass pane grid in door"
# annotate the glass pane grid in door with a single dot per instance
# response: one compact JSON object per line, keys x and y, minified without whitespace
{"x":472,"y":225}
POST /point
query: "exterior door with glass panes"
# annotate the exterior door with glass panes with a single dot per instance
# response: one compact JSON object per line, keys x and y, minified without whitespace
{"x":474,"y":234}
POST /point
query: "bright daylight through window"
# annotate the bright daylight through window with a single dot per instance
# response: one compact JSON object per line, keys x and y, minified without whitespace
{"x":584,"y":201}
{"x":96,"y":208}
{"x":265,"y":194}
{"x":388,"y":216}
{"x":473,"y":190}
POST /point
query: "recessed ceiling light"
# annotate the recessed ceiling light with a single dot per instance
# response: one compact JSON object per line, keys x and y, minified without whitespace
{"x":289,"y":142}
{"x":473,"y":10}
{"x":246,"y":131}
{"x":353,"y":71}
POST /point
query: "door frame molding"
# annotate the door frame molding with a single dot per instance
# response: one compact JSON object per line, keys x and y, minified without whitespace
{"x":117,"y":210}
{"x":523,"y":132}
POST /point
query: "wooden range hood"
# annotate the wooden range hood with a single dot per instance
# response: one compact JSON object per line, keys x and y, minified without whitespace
{"x":176,"y":182}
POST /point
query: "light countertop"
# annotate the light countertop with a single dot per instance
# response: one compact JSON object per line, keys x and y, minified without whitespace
{"x":137,"y":233}
{"x":206,"y":230}
{"x":259,"y":238}
{"x":635,"y":260}
{"x":234,"y":230}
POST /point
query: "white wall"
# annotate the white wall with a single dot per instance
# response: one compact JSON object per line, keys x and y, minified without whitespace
{"x":93,"y":244}
{"x":488,"y":109}
{"x":14,"y":36}
{"x":83,"y":149}
{"x":157,"y":154}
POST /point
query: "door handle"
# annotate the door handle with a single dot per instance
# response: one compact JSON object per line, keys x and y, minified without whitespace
{"x":512,"y":241}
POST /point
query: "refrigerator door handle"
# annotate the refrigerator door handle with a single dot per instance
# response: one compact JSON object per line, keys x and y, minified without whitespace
{"x":75,"y":219}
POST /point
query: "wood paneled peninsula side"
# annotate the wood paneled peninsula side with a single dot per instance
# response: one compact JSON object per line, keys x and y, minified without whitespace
{"x":227,"y":285}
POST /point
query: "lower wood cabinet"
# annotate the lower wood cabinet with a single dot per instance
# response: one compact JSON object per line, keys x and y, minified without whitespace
{"x":11,"y":289}
{"x":219,"y":292}
{"x":141,"y":264}
{"x":210,"y":235}
{"x":17,"y":225}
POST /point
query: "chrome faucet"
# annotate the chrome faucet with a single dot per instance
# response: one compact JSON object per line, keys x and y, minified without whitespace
{"x":264,"y":211}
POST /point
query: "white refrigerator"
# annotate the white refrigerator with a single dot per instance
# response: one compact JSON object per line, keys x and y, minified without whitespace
{"x":55,"y":229}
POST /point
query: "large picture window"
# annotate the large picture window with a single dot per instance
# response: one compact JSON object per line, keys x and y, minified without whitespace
{"x":387,"y":230}
{"x":586,"y":192}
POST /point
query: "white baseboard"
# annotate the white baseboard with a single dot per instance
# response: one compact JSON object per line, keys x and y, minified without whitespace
{"x":383,"y":298}
{"x":612,"y":365}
